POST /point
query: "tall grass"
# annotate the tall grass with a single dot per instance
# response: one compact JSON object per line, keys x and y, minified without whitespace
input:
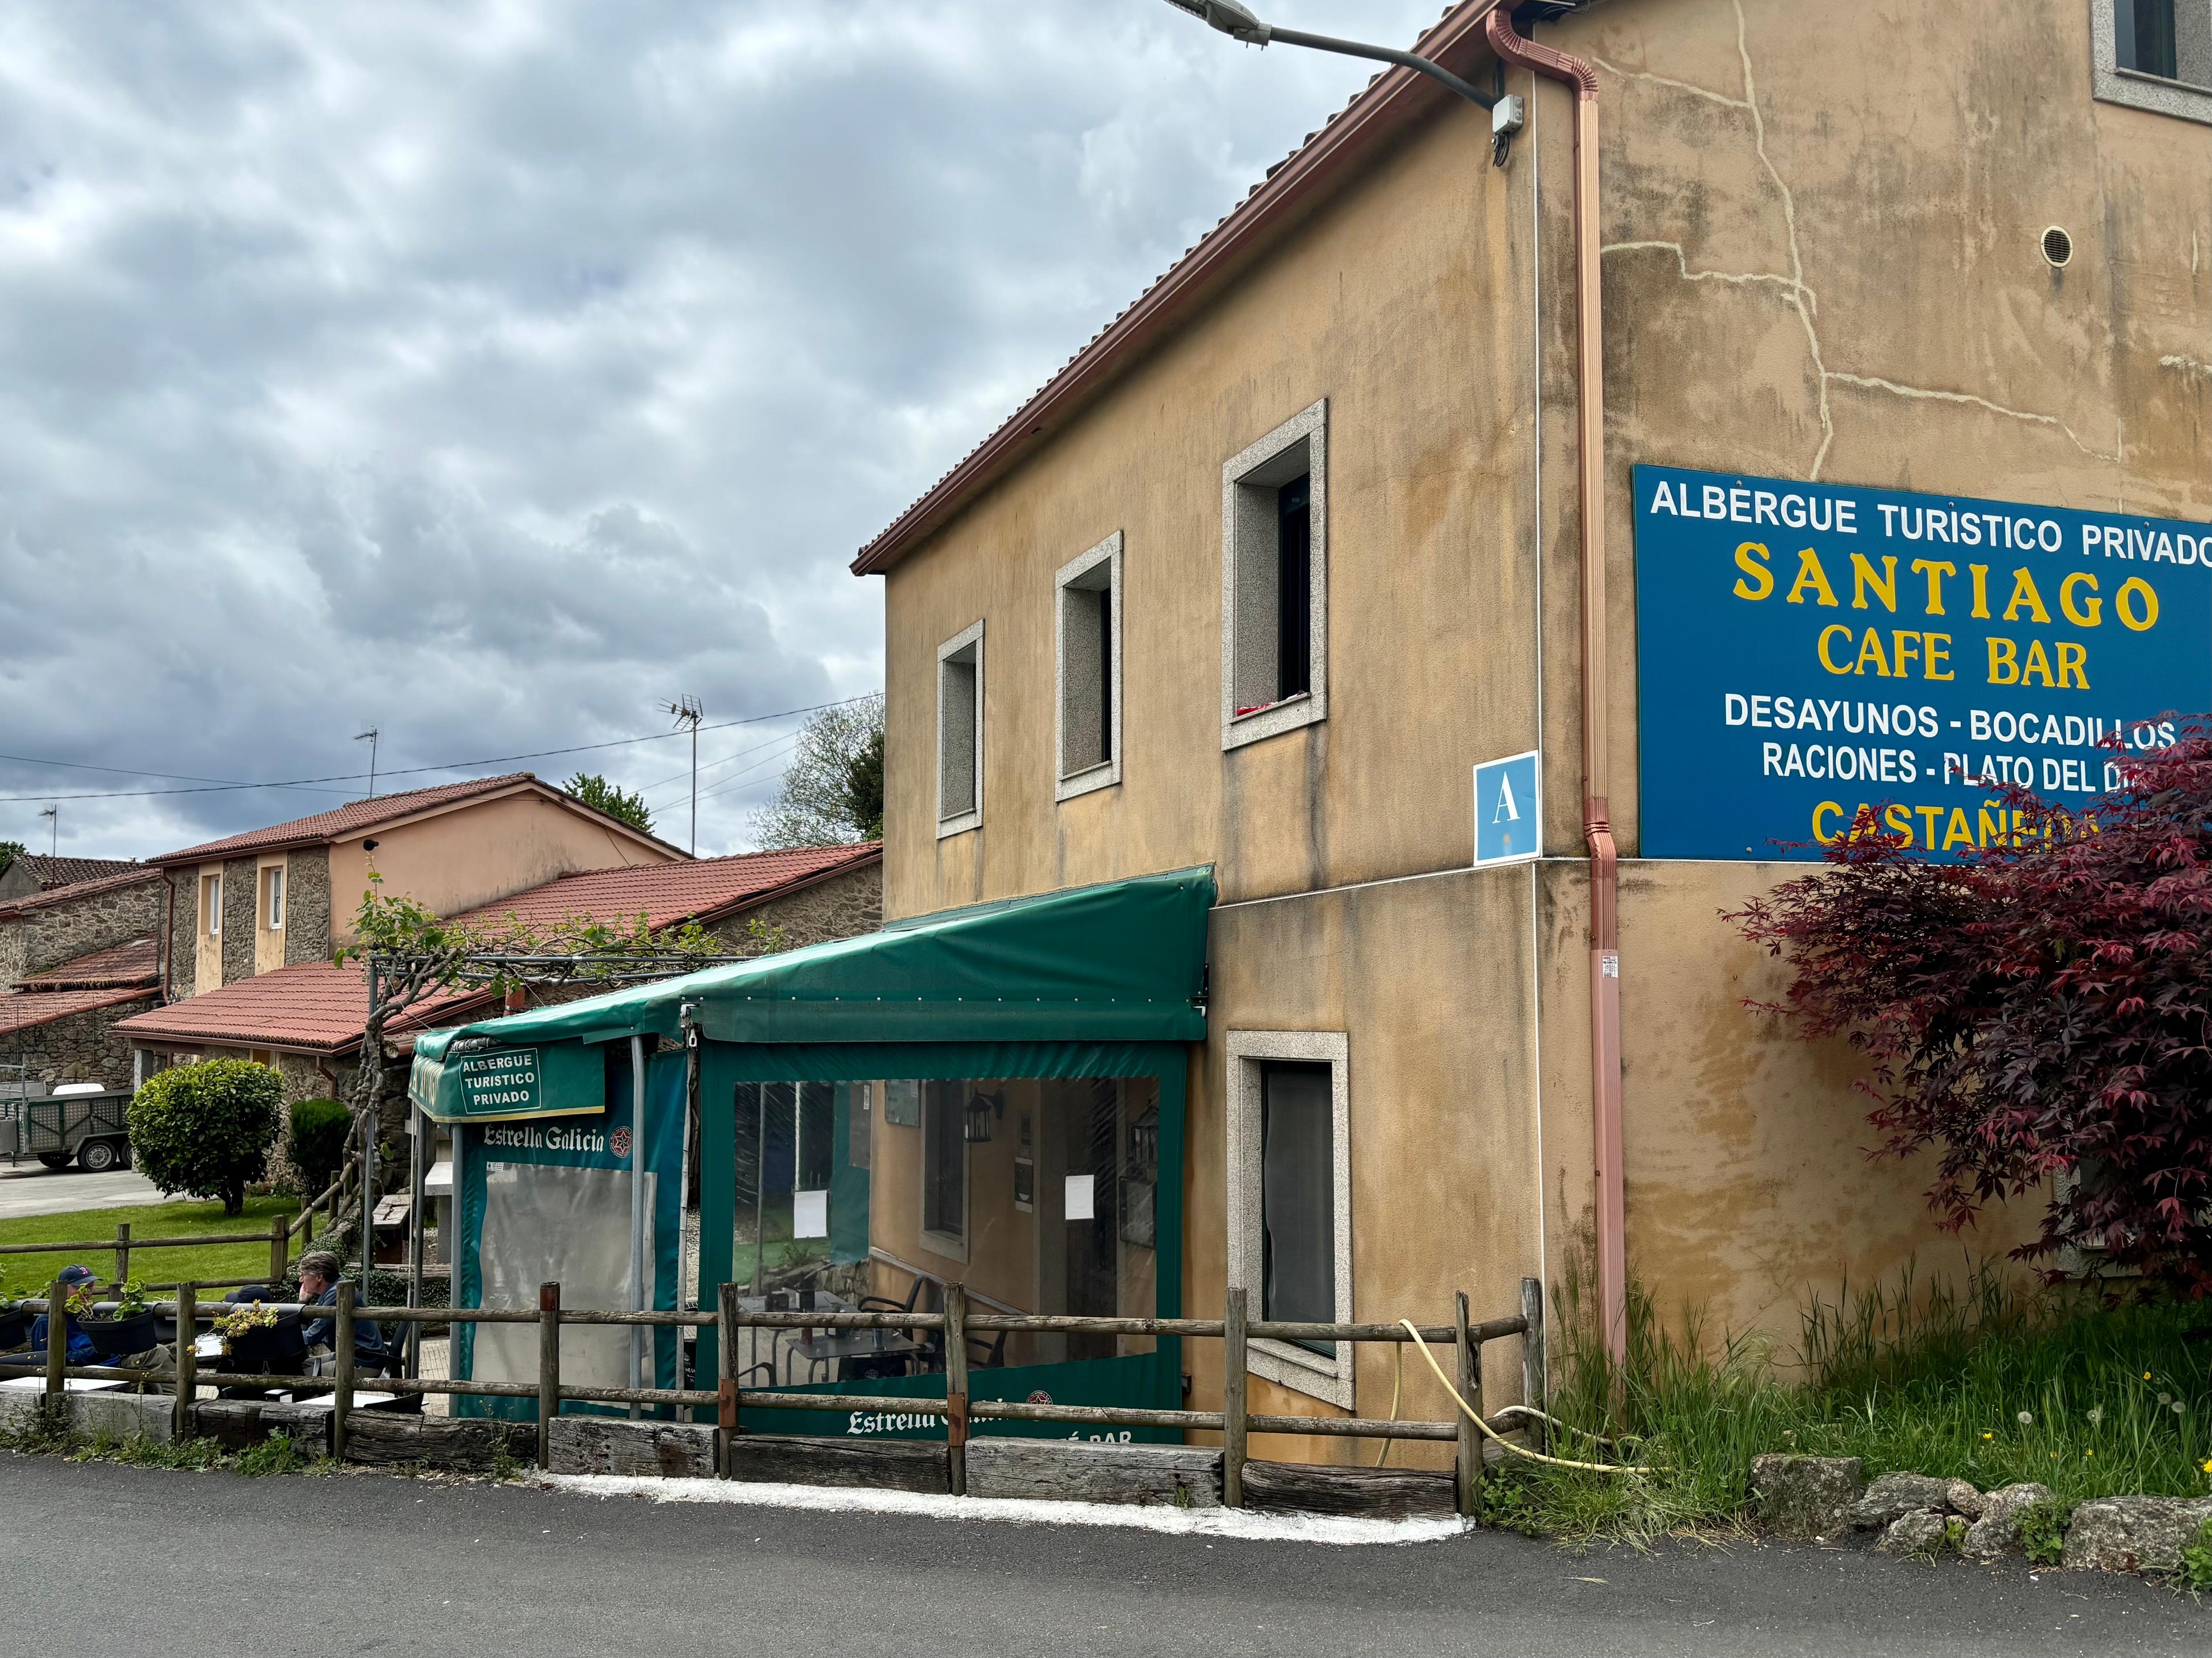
{"x":1980,"y":1378}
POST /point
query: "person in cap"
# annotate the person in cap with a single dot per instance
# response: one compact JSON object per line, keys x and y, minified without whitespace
{"x":74,"y":1276}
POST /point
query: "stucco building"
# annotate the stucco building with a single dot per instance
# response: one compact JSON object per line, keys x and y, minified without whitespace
{"x":1346,"y":505}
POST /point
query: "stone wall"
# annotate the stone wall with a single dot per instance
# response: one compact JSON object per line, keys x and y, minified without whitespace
{"x":308,"y":900}
{"x":77,"y":1047}
{"x":240,"y":903}
{"x":49,"y":933}
{"x":183,"y":912}
{"x":842,"y":907}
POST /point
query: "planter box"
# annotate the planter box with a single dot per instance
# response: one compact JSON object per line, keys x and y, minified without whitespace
{"x":283,"y":1343}
{"x":119,"y":1336}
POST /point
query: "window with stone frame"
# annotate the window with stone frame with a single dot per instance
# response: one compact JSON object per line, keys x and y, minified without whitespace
{"x":2153,"y":55}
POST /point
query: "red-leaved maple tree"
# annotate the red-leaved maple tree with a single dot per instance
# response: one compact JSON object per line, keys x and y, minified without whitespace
{"x":2039,"y":1015}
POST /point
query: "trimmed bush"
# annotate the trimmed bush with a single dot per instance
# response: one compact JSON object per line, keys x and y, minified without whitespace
{"x":205,"y":1130}
{"x":316,"y":1144}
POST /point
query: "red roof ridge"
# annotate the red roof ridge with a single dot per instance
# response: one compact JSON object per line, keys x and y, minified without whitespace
{"x":1377,"y":112}
{"x":75,"y":889}
{"x":355,"y":816}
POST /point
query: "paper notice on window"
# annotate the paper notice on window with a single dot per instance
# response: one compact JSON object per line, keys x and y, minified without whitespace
{"x":1082,"y":1197}
{"x":810,"y":1214}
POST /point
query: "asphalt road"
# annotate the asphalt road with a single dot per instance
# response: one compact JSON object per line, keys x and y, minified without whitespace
{"x":29,"y":1189}
{"x":204,"y":1562}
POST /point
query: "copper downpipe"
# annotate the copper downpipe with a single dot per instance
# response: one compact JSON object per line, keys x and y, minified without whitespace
{"x":1512,"y":47}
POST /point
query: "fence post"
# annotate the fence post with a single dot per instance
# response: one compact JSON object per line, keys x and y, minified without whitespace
{"x":1470,"y":1437}
{"x":279,"y":1237}
{"x":342,"y":1399}
{"x":726,"y":1378}
{"x":188,"y":1360}
{"x":956,"y":1386}
{"x":549,"y":1370}
{"x":57,"y":1351}
{"x":1535,"y":1392}
{"x":123,"y":1252}
{"x":1233,"y":1394}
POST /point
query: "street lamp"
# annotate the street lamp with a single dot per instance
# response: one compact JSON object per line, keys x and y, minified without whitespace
{"x":1235,"y":22}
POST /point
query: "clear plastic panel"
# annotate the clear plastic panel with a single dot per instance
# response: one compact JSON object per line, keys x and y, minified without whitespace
{"x":543,"y":1224}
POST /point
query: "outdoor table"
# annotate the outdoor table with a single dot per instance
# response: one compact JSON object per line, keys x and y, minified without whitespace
{"x":74,"y":1384}
{"x":826,"y":1346}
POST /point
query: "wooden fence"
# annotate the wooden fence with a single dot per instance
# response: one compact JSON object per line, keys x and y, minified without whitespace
{"x":1235,"y":1421}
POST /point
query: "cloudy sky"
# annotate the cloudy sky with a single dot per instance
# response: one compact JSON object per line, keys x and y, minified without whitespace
{"x":489,"y":370}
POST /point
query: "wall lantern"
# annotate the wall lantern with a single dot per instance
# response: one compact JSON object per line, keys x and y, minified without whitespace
{"x":983,"y":1109}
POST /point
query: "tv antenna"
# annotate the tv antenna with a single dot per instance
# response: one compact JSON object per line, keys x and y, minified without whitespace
{"x":52,"y":813}
{"x":689,"y":711}
{"x":370,"y":736}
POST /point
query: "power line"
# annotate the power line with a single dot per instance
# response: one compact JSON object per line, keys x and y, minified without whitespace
{"x":404,"y":771}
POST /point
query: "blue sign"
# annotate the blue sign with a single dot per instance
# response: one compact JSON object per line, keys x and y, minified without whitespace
{"x":1509,"y":819}
{"x":1806,"y":652}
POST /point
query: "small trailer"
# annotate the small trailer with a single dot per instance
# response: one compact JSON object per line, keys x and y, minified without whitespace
{"x":82,"y":1126}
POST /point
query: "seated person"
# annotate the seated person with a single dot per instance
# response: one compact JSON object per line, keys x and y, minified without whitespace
{"x":318,"y":1287}
{"x":74,"y":1278}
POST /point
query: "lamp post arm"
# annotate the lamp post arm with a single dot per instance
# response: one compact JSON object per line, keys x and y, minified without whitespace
{"x":1435,"y":71}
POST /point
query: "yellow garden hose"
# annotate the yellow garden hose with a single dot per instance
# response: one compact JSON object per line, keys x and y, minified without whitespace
{"x":1503,"y":1444}
{"x":1397,"y":1386}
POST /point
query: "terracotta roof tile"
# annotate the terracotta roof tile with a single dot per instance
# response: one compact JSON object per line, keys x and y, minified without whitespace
{"x":129,"y":875}
{"x":20,"y":1012}
{"x":670,"y":893}
{"x":352,"y":818}
{"x":52,"y":873}
{"x":314,"y":1006}
{"x":137,"y":963}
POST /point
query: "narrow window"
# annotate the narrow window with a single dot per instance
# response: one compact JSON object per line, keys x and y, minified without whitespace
{"x":2144,"y":33}
{"x":1290,"y":1199}
{"x":1274,"y":582}
{"x":960,"y":731}
{"x":273,"y":902}
{"x":1090,"y":712}
{"x":1297,"y":1196}
{"x":1294,"y":587}
{"x":945,"y":1163}
{"x":211,"y":904}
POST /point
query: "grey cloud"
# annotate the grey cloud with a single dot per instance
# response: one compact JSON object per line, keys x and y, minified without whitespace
{"x":490,"y":372}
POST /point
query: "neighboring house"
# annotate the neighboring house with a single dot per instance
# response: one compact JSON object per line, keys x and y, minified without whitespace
{"x":34,"y":872}
{"x":809,"y":895}
{"x":283,"y":896}
{"x":1299,"y":540}
{"x":306,"y":1019}
{"x":73,"y":959}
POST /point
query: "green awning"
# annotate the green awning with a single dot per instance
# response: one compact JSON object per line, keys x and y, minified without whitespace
{"x":1121,"y":961}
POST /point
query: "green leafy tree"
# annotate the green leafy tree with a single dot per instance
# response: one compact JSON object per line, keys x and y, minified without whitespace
{"x":317,"y":1142}
{"x":9,"y":851}
{"x":595,"y":791}
{"x":419,"y":955}
{"x":206,"y":1129}
{"x":832,"y":792}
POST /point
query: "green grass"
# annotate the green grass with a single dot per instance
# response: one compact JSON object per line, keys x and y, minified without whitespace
{"x":1994,"y":1383}
{"x":29,"y":1274}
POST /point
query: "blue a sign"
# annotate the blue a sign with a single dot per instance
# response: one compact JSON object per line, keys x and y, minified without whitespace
{"x":1509,"y":821}
{"x":1807,"y":650}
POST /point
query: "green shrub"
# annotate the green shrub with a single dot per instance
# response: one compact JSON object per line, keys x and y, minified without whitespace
{"x":318,"y":1144}
{"x":2043,"y":1533}
{"x":2196,"y":1573}
{"x":206,"y":1129}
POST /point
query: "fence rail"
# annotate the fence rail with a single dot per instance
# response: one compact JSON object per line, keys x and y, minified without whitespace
{"x":1235,"y":1421}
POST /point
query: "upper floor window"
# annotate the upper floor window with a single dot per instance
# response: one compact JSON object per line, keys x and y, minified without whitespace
{"x":1090,"y":602}
{"x":1274,"y":581}
{"x":2154,"y":55}
{"x":960,"y":731}
{"x":211,"y":905}
{"x":272,"y":897}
